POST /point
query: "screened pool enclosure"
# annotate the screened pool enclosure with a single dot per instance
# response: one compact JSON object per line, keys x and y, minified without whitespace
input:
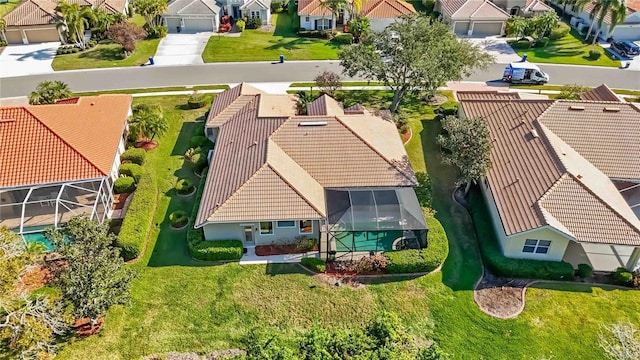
{"x":362,"y":221}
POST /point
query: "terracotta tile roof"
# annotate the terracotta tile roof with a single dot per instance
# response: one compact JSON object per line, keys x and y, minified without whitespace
{"x":474,"y":9}
{"x":600,"y":93}
{"x":633,"y":5}
{"x":486,"y":95}
{"x":384,"y":9}
{"x":312,"y":8}
{"x":80,"y":139}
{"x":604,"y":133}
{"x":33,"y":12}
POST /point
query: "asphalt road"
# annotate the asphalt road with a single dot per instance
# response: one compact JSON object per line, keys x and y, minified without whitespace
{"x":294,"y":71}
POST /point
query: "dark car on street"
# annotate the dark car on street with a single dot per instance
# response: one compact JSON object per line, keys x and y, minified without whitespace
{"x":626,"y":48}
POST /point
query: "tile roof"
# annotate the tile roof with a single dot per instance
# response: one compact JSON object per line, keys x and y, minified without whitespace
{"x":450,"y":7}
{"x":486,"y":95}
{"x":537,"y":6}
{"x":631,"y":8}
{"x":228,"y":103}
{"x":604,"y":133}
{"x":633,"y":5}
{"x":80,"y":139}
{"x":474,"y":9}
{"x":33,"y":12}
{"x":600,"y":93}
{"x":263,"y":4}
{"x":324,"y":105}
{"x":384,"y":9}
{"x":312,"y":8}
{"x":192,"y":7}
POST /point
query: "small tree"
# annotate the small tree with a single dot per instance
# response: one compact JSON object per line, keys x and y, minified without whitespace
{"x":147,"y":122}
{"x":13,"y":259}
{"x":48,"y":92}
{"x":359,"y":27}
{"x":620,"y":342}
{"x":328,"y":82}
{"x":292,"y":9}
{"x":469,"y":148}
{"x":544,"y":23}
{"x":572,"y":92}
{"x":103,"y":22}
{"x":126,"y":34}
{"x":94,"y":278}
{"x":75,"y":20}
{"x":151,"y":10}
{"x":518,"y":26}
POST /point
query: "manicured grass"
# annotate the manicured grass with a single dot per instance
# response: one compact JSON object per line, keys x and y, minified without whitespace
{"x":138,"y":20}
{"x":106,"y":55}
{"x":256,"y":45}
{"x":7,"y":7}
{"x":346,"y":83}
{"x":152,"y":90}
{"x":568,"y":50}
{"x":179,"y":304}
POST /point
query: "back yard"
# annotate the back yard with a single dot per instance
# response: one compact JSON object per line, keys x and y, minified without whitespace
{"x":257,"y":45}
{"x":180,"y":304}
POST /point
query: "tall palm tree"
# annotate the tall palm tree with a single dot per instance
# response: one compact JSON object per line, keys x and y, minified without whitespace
{"x":618,"y":10}
{"x":335,"y":6}
{"x":75,"y":19}
{"x":48,"y":92}
{"x":356,"y":7}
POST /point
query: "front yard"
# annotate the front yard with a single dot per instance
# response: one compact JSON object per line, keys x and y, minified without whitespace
{"x":106,"y":55}
{"x":256,"y":45}
{"x":7,"y":7}
{"x":568,"y":50}
{"x":179,"y":304}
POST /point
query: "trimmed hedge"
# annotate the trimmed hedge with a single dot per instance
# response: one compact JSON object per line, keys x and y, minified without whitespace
{"x":184,"y":186}
{"x":504,"y":266}
{"x":594,"y":54}
{"x":178,"y":218}
{"x":135,"y":225}
{"x":623,"y":276}
{"x":425,"y":260}
{"x":344,"y":39}
{"x":584,"y":271}
{"x":197,"y":141}
{"x":217,"y":250}
{"x":315,"y":264}
{"x":124,"y":185}
{"x":134,"y":155}
{"x":520,"y":44}
{"x":318,"y":34}
{"x":131,"y":169}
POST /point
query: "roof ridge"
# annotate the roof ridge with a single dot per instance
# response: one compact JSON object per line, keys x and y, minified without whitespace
{"x":293,"y":187}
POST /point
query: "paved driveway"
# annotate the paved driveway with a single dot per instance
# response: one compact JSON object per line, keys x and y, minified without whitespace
{"x":19,"y":60}
{"x":181,"y":49}
{"x":498,"y":47}
{"x":634,"y":62}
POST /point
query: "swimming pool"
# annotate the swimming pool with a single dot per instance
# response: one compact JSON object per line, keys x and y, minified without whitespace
{"x":38,"y":237}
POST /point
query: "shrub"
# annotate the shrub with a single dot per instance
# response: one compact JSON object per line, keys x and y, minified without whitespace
{"x":200,"y":165}
{"x":124,"y":185}
{"x":318,"y":34}
{"x":428,"y":5}
{"x":521,"y":44}
{"x":315,"y":264}
{"x":156,"y":32}
{"x":178,"y":218}
{"x":75,"y":50}
{"x":371,"y":263}
{"x":305,"y":244}
{"x":424,"y":260}
{"x":504,"y":266}
{"x":135,"y":226}
{"x":594,"y":54}
{"x":572,"y":92}
{"x":344,"y":39}
{"x":132,"y":170}
{"x":130,"y":10}
{"x":559,"y":32}
{"x":240,"y":24}
{"x":217,"y":250}
{"x":276,"y":6}
{"x":541,"y":42}
{"x":197,"y":141}
{"x":584,"y":271}
{"x":196,"y":100}
{"x":253,"y":23}
{"x":134,"y":155}
{"x":184,"y":186}
{"x":623,"y":275}
{"x":3,"y":43}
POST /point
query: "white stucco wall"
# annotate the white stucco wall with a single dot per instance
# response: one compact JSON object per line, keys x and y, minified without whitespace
{"x":310,"y":24}
{"x":234,"y":231}
{"x":610,"y":257}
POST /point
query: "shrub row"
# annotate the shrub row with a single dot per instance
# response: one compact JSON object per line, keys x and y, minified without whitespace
{"x":344,"y":39}
{"x":253,"y":23}
{"x":318,"y":34}
{"x":315,"y":264}
{"x":217,"y":250}
{"x":504,"y":266}
{"x":124,"y":185}
{"x":134,"y":155}
{"x":72,"y":49}
{"x":520,"y":44}
{"x":132,"y":170}
{"x":135,"y":226}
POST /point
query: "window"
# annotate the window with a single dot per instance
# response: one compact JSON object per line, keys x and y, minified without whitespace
{"x":323,"y":24}
{"x":286,"y":224}
{"x":266,"y":228}
{"x":536,"y":246}
{"x":306,"y":19}
{"x":255,"y":14}
{"x":306,"y":226}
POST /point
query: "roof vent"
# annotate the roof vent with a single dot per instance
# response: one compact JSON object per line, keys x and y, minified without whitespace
{"x":312,"y":123}
{"x":579,"y":176}
{"x":7,"y":120}
{"x":534,"y":133}
{"x":93,"y":103}
{"x":576,"y":107}
{"x":612,"y":109}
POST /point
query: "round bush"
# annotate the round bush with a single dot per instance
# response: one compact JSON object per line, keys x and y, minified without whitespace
{"x":184,"y":186}
{"x":196,"y":100}
{"x":197,"y":141}
{"x":132,"y":169}
{"x":521,"y":44}
{"x":178,"y":218}
{"x":75,"y":50}
{"x":584,"y":271}
{"x":559,"y":32}
{"x":594,"y":54}
{"x":623,"y":275}
{"x":134,"y":155}
{"x":124,"y":185}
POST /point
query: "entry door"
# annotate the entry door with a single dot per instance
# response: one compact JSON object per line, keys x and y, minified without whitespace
{"x":248,"y":234}
{"x":236,"y":12}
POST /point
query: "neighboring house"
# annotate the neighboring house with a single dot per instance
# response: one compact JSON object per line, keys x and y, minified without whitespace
{"x":629,"y":29}
{"x":58,"y":161}
{"x":565,"y":178}
{"x":473,"y":17}
{"x":257,"y":9}
{"x":192,"y":16}
{"x":34,"y":21}
{"x":381,"y":13}
{"x":335,"y":175}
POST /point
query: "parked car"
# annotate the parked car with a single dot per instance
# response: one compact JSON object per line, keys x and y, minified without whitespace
{"x":626,"y":48}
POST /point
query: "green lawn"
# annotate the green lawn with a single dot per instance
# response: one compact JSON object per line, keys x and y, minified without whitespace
{"x":7,"y":7}
{"x":568,"y":50}
{"x":152,"y":90}
{"x":184,"y":305}
{"x":105,"y":56}
{"x":255,"y":45}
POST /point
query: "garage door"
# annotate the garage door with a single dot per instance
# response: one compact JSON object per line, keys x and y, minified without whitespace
{"x":487,"y":28}
{"x":13,"y":37}
{"x":45,"y":35}
{"x":622,"y":32}
{"x":172,"y":24}
{"x":198,"y":25}
{"x":461,"y":28}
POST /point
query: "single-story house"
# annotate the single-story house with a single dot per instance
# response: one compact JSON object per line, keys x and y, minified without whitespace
{"x":381,"y":13}
{"x":60,"y":160}
{"x":192,"y":16}
{"x":473,"y":17}
{"x":334,"y":175}
{"x":565,"y":178}
{"x":629,"y":29}
{"x":257,"y":9}
{"x":35,"y":21}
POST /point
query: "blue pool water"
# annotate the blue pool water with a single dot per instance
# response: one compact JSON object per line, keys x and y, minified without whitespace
{"x":38,"y":237}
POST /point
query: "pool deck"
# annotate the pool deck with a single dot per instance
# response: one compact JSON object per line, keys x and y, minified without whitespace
{"x":250,"y":258}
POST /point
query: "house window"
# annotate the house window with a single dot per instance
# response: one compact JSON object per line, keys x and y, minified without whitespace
{"x":306,"y":19}
{"x":266,"y":228}
{"x":255,"y":14}
{"x":536,"y":246}
{"x":306,"y":226}
{"x":286,"y":224}
{"x":323,"y":24}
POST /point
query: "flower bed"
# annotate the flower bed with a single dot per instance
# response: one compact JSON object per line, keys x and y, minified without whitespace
{"x":268,"y":250}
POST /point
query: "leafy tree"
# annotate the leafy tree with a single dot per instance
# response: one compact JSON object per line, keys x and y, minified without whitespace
{"x":620,"y":342}
{"x":94,"y":278}
{"x":104,"y":21}
{"x":469,"y":147}
{"x":413,"y":54}
{"x":126,"y":34}
{"x":335,"y":6}
{"x":328,"y":82}
{"x":151,"y":10}
{"x":13,"y":259}
{"x":544,"y":23}
{"x":147,"y":122}
{"x":48,"y":92}
{"x":75,"y":19}
{"x":358,"y":27}
{"x":572,"y":92}
{"x":518,"y":26}
{"x":616,"y":8}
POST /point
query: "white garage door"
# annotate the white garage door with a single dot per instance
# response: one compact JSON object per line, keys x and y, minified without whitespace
{"x":198,"y":25}
{"x":622,"y":32}
{"x":172,"y":24}
{"x":43,"y":35}
{"x":461,"y":28}
{"x":487,"y":28}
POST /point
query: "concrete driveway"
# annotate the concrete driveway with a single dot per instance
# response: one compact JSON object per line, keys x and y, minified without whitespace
{"x":20,"y":60}
{"x":634,"y":61}
{"x":498,"y":47}
{"x":182,"y":49}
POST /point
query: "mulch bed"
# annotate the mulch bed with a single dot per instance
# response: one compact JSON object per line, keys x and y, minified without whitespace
{"x":83,"y":326}
{"x":500,"y":297}
{"x":406,"y":136}
{"x":147,"y":145}
{"x":437,"y":100}
{"x":216,"y":355}
{"x":268,"y":250}
{"x":35,"y":278}
{"x":342,"y":268}
{"x":118,"y":201}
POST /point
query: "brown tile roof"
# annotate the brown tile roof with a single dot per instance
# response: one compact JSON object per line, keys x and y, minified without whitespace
{"x":537,"y":5}
{"x":604,"y":133}
{"x":110,"y":6}
{"x":312,"y":8}
{"x":228,"y":103}
{"x":474,"y":9}
{"x":631,"y":8}
{"x":600,"y":93}
{"x":450,"y":7}
{"x":79,"y":140}
{"x":324,"y":105}
{"x":486,"y":95}
{"x":384,"y":9}
{"x":33,"y":12}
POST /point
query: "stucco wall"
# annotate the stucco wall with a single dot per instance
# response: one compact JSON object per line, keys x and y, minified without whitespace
{"x":234,"y":231}
{"x":311,"y":24}
{"x":609,"y":257}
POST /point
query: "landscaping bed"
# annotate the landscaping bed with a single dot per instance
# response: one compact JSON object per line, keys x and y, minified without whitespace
{"x":268,"y":250}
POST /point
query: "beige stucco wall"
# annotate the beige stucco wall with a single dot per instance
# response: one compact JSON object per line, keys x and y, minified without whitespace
{"x":609,"y":257}
{"x":233,"y":231}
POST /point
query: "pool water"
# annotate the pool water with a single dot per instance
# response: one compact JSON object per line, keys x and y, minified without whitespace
{"x":366,"y":240}
{"x":38,"y":237}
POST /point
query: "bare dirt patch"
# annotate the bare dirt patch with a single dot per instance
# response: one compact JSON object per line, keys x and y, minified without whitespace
{"x":216,"y":355}
{"x":500,"y":297}
{"x":435,"y":100}
{"x":267,"y":28}
{"x":340,"y":280}
{"x":146,"y":144}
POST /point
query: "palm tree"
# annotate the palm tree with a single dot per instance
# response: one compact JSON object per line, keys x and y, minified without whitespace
{"x":104,"y":20}
{"x":48,"y":92}
{"x":545,"y":23}
{"x":618,"y":10}
{"x":335,"y":6}
{"x":147,"y":122}
{"x":76,"y":19}
{"x":518,"y":25}
{"x":356,"y":7}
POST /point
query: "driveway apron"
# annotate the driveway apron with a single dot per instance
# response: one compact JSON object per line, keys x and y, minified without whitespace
{"x":20,"y":60}
{"x":182,"y":49}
